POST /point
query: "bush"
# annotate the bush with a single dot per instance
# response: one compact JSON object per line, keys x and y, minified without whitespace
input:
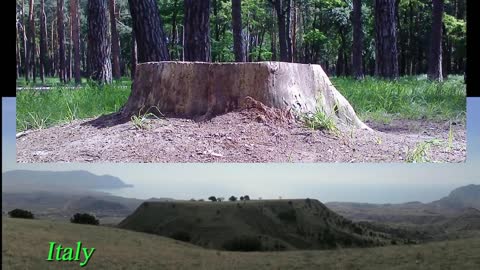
{"x":20,"y":213}
{"x":358,"y":230}
{"x":243,"y":243}
{"x":181,"y":236}
{"x":232,"y":199}
{"x":288,"y":216}
{"x":212,"y":198}
{"x":84,"y":219}
{"x":308,"y":201}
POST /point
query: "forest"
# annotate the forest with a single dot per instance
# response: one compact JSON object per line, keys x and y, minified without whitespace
{"x":103,"y":40}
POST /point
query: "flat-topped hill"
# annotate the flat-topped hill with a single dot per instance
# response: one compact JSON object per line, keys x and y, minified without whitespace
{"x":266,"y":224}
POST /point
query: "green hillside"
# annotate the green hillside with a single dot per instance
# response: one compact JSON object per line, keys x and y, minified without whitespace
{"x":25,"y":246}
{"x":276,"y":224}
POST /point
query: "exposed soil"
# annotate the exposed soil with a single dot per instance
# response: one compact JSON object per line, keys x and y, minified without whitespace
{"x":245,"y":136}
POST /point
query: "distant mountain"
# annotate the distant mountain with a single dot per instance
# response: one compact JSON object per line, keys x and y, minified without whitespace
{"x":59,"y":205}
{"x":460,"y":207}
{"x":463,"y":197}
{"x":71,"y":180}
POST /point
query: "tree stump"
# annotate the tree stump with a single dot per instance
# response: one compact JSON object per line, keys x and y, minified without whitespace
{"x":198,"y":89}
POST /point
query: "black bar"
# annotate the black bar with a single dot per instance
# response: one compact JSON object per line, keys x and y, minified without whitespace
{"x":472,"y":44}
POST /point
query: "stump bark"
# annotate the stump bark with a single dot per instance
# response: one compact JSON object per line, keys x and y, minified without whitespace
{"x":198,"y":89}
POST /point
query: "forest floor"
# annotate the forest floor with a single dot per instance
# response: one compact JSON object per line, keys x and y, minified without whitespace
{"x":413,"y":121}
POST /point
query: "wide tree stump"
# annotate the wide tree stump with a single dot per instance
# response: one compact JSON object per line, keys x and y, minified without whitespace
{"x":197,"y":89}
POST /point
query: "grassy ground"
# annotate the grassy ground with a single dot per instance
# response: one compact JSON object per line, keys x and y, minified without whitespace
{"x":55,"y":81}
{"x":373,"y":99}
{"x":413,"y":97}
{"x":25,"y":246}
{"x":41,"y":109}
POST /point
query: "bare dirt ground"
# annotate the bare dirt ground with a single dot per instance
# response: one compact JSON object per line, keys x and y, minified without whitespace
{"x":244,"y":136}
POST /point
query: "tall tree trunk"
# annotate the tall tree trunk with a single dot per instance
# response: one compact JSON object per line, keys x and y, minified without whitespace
{"x":197,"y":30}
{"x":61,"y":42}
{"x":238,"y":47}
{"x":23,"y":33}
{"x":115,"y":41}
{"x":289,"y":30}
{"x":17,"y":54}
{"x":54,"y":50}
{"x":133,"y":59}
{"x":445,"y":52}
{"x":43,"y":42}
{"x":148,"y":28}
{"x":410,"y":39}
{"x":386,"y":54}
{"x":262,"y":37}
{"x":294,"y":32}
{"x":448,"y":54}
{"x":26,"y":62}
{"x":100,"y":65}
{"x":282,"y":29}
{"x":174,"y":42}
{"x":75,"y":21}
{"x":31,"y":40}
{"x":418,"y":43}
{"x":273,"y":38}
{"x":83,"y":51}
{"x":357,"y":48}
{"x":435,"y":56}
{"x":69,"y":53}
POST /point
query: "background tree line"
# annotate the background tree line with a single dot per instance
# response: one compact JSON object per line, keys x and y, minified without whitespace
{"x":104,"y":39}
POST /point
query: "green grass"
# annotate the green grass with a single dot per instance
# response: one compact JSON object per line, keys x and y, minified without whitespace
{"x":421,"y":152}
{"x":41,"y":109}
{"x":25,"y":246}
{"x":321,"y":121}
{"x":140,"y":120}
{"x":411,"y":97}
{"x":55,"y":81}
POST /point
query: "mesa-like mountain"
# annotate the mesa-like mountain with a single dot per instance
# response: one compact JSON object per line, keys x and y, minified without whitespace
{"x":25,"y":180}
{"x":271,"y":224}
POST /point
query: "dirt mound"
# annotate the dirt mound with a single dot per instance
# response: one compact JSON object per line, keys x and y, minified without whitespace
{"x":236,"y":137}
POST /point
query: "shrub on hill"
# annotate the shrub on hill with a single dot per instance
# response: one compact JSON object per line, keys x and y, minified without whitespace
{"x":288,"y":216}
{"x":181,"y":236}
{"x":20,"y":213}
{"x":84,"y":219}
{"x":243,"y":243}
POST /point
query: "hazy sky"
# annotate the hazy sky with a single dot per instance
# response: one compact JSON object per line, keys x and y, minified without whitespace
{"x":376,"y":183}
